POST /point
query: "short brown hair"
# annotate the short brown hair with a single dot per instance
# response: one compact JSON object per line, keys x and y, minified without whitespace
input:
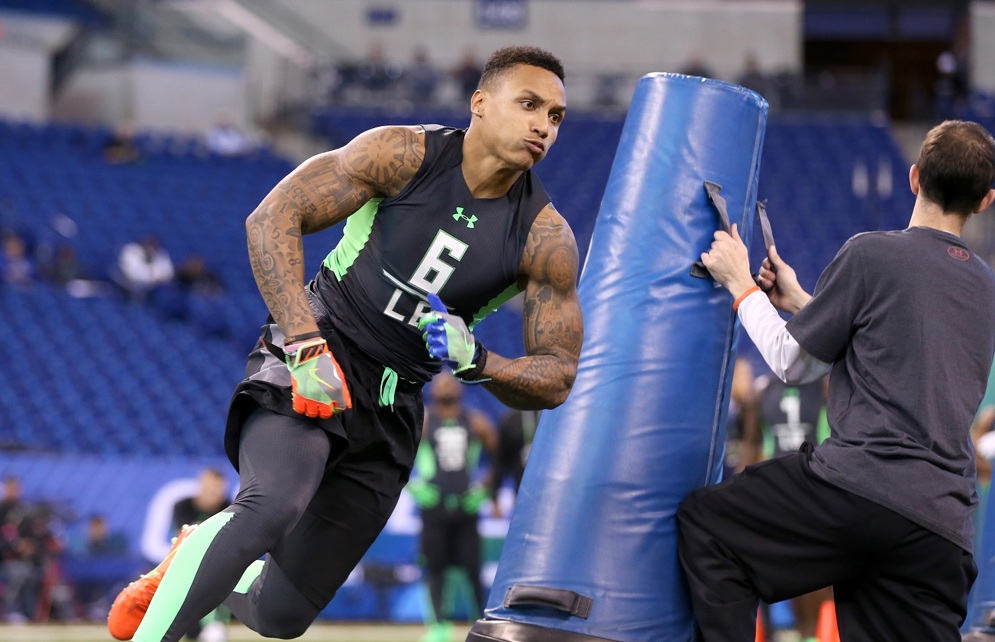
{"x":504,"y":59}
{"x":957,"y":166}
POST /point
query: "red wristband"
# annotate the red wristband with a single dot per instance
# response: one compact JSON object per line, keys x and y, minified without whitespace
{"x":741,"y":297}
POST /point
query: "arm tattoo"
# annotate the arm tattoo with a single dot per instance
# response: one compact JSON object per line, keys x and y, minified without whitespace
{"x":390,"y":159}
{"x":322,"y":192}
{"x":553,"y":324}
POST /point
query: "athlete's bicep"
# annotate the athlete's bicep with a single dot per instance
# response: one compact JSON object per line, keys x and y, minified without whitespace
{"x":328,"y":187}
{"x":552,"y":319}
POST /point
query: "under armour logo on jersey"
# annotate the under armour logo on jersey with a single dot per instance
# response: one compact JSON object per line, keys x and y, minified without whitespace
{"x":470,"y":220}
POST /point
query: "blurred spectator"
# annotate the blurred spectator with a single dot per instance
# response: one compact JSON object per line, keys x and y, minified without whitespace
{"x":607,"y":90}
{"x":95,"y":559}
{"x":99,"y":540}
{"x":376,"y":73}
{"x":120,"y":147}
{"x":63,"y":266}
{"x":951,"y":89}
{"x":742,"y":425}
{"x":984,"y":454}
{"x":15,"y":573}
{"x":12,"y":507}
{"x":422,"y":78}
{"x":194,"y":275}
{"x":696,"y":66}
{"x":751,"y":77}
{"x":211,"y":498}
{"x":198,"y":297}
{"x":225,"y":139}
{"x":15,"y":265}
{"x":467,"y":74}
{"x":449,"y":491}
{"x":336,"y":81}
{"x":29,"y":573}
{"x":143,"y":267}
{"x":516,"y":430}
{"x":793,"y":415}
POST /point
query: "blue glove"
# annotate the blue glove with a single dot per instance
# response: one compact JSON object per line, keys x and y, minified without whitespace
{"x":447,"y":337}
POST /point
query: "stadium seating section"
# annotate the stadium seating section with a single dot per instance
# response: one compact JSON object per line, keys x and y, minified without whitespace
{"x":78,"y":10}
{"x":104,"y":399}
{"x":124,"y":378}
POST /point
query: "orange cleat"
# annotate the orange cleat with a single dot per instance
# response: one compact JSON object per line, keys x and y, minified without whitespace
{"x":131,"y":603}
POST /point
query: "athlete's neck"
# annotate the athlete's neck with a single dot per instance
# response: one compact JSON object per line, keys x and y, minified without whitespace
{"x":929,"y":214}
{"x":485,"y":174}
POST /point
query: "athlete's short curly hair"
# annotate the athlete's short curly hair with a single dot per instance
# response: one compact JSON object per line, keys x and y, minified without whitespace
{"x":502,"y":60}
{"x":957,"y":165}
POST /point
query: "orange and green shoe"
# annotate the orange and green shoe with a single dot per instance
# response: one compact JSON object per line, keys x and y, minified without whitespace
{"x":130,"y":605}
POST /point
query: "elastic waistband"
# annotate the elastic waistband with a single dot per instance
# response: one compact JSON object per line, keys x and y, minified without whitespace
{"x":361,"y":360}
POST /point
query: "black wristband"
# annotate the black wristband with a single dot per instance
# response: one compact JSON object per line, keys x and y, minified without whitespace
{"x":478,"y":365}
{"x":297,"y":338}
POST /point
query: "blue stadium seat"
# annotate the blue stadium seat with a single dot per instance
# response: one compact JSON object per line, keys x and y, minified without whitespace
{"x":146,"y":381}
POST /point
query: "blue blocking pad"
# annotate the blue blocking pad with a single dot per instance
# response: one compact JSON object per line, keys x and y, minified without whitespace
{"x":591,"y":552}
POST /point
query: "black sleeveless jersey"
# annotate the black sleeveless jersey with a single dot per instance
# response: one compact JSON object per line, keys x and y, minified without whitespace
{"x":791,"y":414}
{"x":455,"y":454}
{"x":432,"y":237}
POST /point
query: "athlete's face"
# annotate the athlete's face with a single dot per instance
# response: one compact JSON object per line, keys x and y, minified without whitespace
{"x":521,"y":112}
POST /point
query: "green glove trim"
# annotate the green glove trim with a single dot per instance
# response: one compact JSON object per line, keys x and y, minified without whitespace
{"x":426,"y":495}
{"x":473,"y":499}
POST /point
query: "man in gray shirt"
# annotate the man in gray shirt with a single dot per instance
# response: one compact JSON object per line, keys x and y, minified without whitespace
{"x":905,"y":322}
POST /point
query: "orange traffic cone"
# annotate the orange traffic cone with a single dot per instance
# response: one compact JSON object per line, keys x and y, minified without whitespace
{"x":826,"y":630}
{"x":760,"y":629}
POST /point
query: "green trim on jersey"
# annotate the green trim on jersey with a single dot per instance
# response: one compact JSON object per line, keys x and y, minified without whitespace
{"x":494,"y":304}
{"x":354,"y":238}
{"x":822,"y":430}
{"x":425,"y":461}
{"x":473,"y":453}
{"x":176,"y":583}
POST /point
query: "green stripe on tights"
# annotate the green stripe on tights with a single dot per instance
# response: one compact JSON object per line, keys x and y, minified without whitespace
{"x":248,"y":577}
{"x":178,"y":579}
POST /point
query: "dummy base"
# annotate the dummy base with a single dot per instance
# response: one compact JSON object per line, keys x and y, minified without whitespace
{"x":508,"y":631}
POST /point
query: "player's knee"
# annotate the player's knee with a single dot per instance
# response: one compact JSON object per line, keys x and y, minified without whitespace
{"x":285,"y":615}
{"x":285,"y":516}
{"x":285,"y":625}
{"x":272,"y":517}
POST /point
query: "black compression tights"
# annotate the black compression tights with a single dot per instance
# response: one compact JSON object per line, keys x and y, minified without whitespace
{"x":281,"y":463}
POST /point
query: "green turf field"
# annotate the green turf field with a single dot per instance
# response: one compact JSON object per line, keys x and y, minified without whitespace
{"x":317,"y":633}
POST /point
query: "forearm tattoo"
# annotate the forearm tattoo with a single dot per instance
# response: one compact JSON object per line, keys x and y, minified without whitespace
{"x":319,"y":194}
{"x":553,"y":324}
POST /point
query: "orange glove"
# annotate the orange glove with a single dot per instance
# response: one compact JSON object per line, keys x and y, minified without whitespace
{"x":319,"y":387}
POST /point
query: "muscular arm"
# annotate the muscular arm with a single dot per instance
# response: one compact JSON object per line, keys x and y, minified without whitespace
{"x":553,"y":324}
{"x":323,"y":191}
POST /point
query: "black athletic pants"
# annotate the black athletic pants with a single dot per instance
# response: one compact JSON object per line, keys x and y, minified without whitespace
{"x":777,"y":531}
{"x":315,"y":521}
{"x":451,"y":539}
